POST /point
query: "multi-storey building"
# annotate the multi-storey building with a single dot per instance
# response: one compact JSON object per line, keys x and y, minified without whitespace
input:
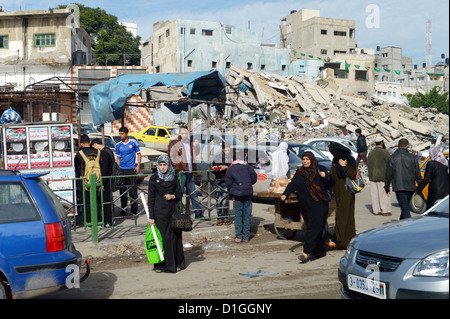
{"x":35,"y":46}
{"x":188,"y":45}
{"x":306,"y":32}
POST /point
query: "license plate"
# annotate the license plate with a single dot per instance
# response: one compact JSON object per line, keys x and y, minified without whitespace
{"x":367,"y":286}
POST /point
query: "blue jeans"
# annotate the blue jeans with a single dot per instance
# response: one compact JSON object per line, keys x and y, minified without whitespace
{"x":403,"y":198}
{"x":187,"y":180}
{"x":243,"y":215}
{"x":222,"y":200}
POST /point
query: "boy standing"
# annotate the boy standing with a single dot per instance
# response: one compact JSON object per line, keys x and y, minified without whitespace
{"x":127,"y":151}
{"x":240,"y":179}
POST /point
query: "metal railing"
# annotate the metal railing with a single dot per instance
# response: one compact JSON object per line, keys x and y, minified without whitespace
{"x":207,"y":186}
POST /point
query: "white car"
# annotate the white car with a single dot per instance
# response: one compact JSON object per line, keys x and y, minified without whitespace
{"x":260,"y":158}
{"x":323,"y":143}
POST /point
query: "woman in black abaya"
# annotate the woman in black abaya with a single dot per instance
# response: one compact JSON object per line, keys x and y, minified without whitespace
{"x":344,"y":165}
{"x":164,"y":194}
{"x":310,"y":182}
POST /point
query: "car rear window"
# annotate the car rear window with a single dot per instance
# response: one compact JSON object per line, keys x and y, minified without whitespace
{"x":59,"y":208}
{"x":16,"y":204}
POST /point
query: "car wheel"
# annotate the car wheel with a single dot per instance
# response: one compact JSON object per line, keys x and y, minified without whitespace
{"x":363,"y":169}
{"x":3,"y":294}
{"x":418,"y":204}
{"x":285,"y":234}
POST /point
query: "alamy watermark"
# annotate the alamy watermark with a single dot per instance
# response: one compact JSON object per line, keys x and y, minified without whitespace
{"x":73,"y":19}
{"x":373,"y":19}
{"x":73,"y":279}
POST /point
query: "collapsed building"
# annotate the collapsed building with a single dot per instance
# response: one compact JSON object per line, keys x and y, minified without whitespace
{"x":297,"y":108}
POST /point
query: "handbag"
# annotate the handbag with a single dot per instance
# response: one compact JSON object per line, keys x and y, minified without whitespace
{"x":180,"y":221}
{"x":355,"y":185}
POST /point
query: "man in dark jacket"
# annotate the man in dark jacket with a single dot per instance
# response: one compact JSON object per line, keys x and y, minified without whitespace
{"x":403,"y":171}
{"x":361,"y":147}
{"x":376,"y":164}
{"x":107,"y":162}
{"x":80,"y":165}
{"x":240,"y":179}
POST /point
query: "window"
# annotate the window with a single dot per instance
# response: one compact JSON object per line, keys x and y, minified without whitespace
{"x":249,"y":66}
{"x":189,"y":63}
{"x":263,"y":66}
{"x":162,"y":133}
{"x":3,"y":41}
{"x":88,"y":78}
{"x":324,"y":32}
{"x":214,"y":64}
{"x":15,"y":204}
{"x":192,"y":31}
{"x":132,"y":71}
{"x":283,"y":67}
{"x":340,"y":74}
{"x":361,"y":75}
{"x":182,"y":30}
{"x":207,"y":32}
{"x":384,"y":55}
{"x":151,"y":131}
{"x":227,"y":65}
{"x":53,"y":199}
{"x":44,"y":40}
{"x":167,"y":33}
{"x":340,"y":33}
{"x":343,"y":52}
{"x":323,"y":51}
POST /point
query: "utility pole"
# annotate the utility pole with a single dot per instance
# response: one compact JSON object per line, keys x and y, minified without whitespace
{"x":428,"y":41}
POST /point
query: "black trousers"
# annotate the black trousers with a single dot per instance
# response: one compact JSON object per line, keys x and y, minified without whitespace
{"x":130,"y":183}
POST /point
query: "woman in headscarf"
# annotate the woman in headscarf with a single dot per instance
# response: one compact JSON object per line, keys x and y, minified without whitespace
{"x":164,"y":194}
{"x":280,"y":161}
{"x":310,"y":182}
{"x":436,"y":175}
{"x":343,"y":166}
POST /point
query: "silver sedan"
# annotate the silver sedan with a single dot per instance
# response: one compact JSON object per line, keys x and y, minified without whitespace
{"x":405,"y":259}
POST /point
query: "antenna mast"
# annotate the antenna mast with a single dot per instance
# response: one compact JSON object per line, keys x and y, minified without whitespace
{"x":428,"y":39}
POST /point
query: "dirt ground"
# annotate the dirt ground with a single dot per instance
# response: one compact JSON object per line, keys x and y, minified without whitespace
{"x":216,"y":273}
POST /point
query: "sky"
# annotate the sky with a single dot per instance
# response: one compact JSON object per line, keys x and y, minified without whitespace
{"x":399,"y":23}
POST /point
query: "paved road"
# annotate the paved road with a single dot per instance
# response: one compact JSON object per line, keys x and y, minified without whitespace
{"x":218,"y":273}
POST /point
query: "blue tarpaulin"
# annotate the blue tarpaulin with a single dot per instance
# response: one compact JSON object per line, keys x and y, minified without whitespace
{"x":108,"y":99}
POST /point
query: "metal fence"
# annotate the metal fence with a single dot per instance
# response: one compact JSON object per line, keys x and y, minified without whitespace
{"x":91,"y":201}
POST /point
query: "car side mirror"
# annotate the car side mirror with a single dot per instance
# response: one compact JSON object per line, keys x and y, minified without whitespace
{"x":166,"y":136}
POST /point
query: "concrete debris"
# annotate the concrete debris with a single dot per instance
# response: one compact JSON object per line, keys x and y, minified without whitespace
{"x":315,"y":109}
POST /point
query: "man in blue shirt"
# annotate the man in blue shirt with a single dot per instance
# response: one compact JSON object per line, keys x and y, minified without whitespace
{"x":127,"y":150}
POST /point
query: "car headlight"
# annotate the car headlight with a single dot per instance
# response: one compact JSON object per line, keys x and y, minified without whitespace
{"x":350,"y":247}
{"x":435,"y":265}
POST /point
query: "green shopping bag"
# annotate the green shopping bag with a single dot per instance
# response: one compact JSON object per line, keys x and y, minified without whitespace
{"x":154,"y":246}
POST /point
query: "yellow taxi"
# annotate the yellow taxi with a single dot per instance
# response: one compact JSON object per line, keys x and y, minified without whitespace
{"x":156,"y":137}
{"x":423,"y":167}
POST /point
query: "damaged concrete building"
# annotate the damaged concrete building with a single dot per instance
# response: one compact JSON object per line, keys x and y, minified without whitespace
{"x":37,"y":45}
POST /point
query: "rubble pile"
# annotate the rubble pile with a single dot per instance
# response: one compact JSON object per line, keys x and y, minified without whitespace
{"x":298,"y":109}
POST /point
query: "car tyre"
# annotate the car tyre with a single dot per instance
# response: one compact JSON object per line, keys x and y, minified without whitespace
{"x":3,"y":291}
{"x":418,"y":204}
